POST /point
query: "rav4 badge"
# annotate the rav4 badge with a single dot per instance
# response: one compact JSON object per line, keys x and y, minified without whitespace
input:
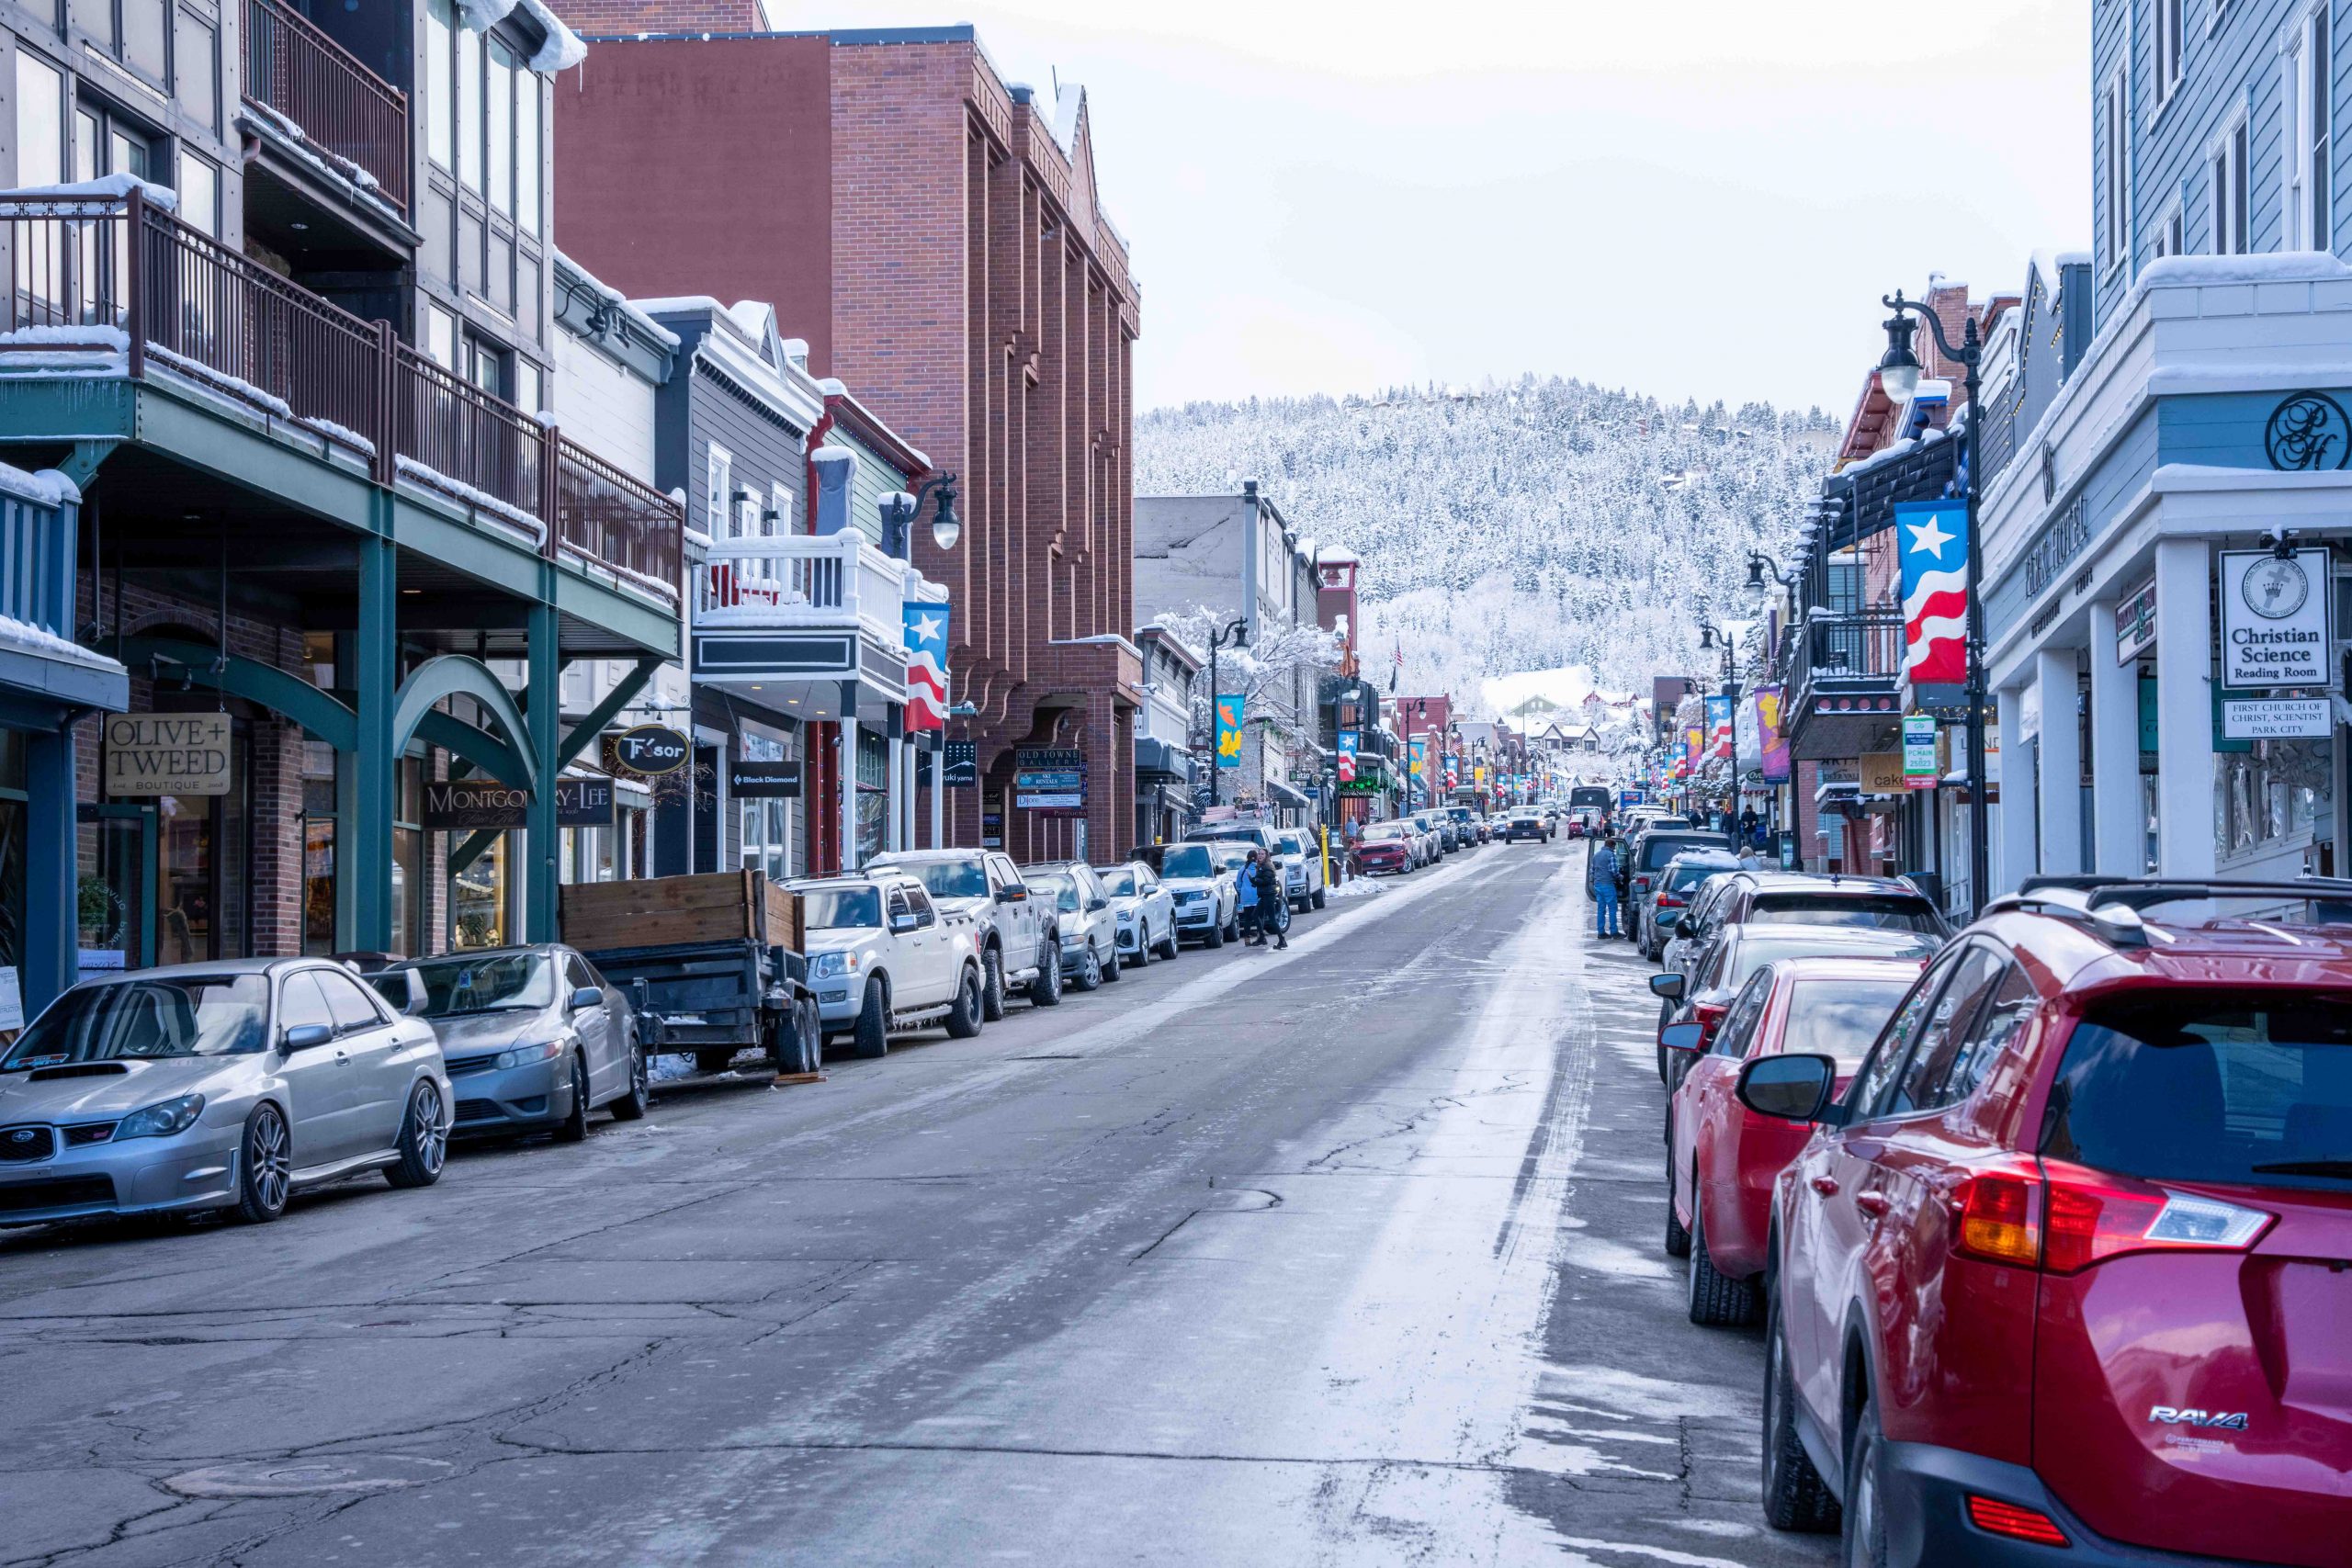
{"x":2166,"y":1415}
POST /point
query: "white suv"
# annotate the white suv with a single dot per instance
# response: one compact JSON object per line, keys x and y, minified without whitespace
{"x":1301,"y":859}
{"x":883,"y":957}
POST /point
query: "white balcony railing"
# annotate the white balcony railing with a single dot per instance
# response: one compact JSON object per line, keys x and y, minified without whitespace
{"x":837,"y":581}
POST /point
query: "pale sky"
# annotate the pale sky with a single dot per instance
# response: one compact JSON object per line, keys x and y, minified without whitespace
{"x":1700,"y":198}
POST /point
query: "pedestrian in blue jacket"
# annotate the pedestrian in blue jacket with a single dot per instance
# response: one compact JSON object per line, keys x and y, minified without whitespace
{"x":1601,"y":881}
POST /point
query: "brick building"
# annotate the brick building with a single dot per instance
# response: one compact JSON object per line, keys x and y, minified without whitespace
{"x":933,"y":232}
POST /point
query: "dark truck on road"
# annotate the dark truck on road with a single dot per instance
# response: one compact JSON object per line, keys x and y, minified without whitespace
{"x":712,"y":963}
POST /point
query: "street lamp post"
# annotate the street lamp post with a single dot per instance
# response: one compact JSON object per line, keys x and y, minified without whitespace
{"x":1236,"y":633}
{"x":1898,"y":372}
{"x":1710,"y":636}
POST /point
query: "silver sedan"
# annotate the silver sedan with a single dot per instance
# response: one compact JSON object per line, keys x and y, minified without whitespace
{"x":215,"y":1085}
{"x":1146,"y":911}
{"x":535,"y":1038}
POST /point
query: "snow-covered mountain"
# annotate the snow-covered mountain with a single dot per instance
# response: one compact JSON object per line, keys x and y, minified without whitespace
{"x":1522,"y":526}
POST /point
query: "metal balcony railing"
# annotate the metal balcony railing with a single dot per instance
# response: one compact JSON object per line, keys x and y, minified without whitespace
{"x":1844,"y":652}
{"x":99,"y":271}
{"x":304,"y":77}
{"x":800,"y":580}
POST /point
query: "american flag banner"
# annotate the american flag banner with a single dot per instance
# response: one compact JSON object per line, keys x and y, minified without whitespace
{"x":1347,"y":756}
{"x":926,"y":665}
{"x":1934,"y":540}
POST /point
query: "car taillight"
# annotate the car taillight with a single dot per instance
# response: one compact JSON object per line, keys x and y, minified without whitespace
{"x":1668,"y":901}
{"x":2093,"y":1217}
{"x":1994,"y":1517}
{"x":1997,"y":1218}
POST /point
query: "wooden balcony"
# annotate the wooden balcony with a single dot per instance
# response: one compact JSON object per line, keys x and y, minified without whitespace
{"x":801,"y":608}
{"x":102,"y":270}
{"x":1843,"y":683}
{"x":340,"y":106}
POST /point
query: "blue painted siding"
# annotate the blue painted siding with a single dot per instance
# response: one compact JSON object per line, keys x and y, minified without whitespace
{"x":2222,"y":430}
{"x":2233,"y":60}
{"x":2122,"y":469}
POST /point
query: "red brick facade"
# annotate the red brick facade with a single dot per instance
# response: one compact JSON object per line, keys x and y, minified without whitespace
{"x":594,"y":17}
{"x":967,"y":289}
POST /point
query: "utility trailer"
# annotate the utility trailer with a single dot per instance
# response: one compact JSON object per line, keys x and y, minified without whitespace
{"x":712,"y":963}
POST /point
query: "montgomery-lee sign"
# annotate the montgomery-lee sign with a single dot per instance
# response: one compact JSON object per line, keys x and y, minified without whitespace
{"x":466,"y":805}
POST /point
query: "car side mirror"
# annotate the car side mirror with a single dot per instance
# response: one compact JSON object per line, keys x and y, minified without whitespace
{"x":1667,"y":986}
{"x":1016,"y":894}
{"x":902,"y":924}
{"x":306,"y":1036}
{"x":1790,"y":1087}
{"x":1682,"y":1036}
{"x":1093,"y":904}
{"x":587,"y":997}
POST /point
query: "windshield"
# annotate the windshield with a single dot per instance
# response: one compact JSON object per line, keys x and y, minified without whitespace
{"x":512,"y":981}
{"x":1656,"y":849}
{"x":1185,"y":859}
{"x":191,"y":1015}
{"x":2182,"y":1087}
{"x":1292,"y":844}
{"x":1064,"y":890}
{"x":1892,"y":913}
{"x":1230,"y":856}
{"x":950,"y":878}
{"x":1588,"y":796}
{"x":1840,"y":1017}
{"x":1224,"y":835}
{"x":1383,"y":833}
{"x":1118,"y":883}
{"x":1684,"y":876}
{"x":1751,"y":956}
{"x":841,"y":909}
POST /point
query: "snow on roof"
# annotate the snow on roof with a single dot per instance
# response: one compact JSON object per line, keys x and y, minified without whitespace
{"x":679,"y":305}
{"x":757,"y":318}
{"x":562,"y":49}
{"x":47,"y":488}
{"x":106,"y":186}
{"x":1068,"y":103}
{"x":621,"y":302}
{"x":1335,"y":556}
{"x":2046,"y":263}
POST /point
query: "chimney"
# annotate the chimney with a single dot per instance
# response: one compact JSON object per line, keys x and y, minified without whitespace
{"x":836,"y":467}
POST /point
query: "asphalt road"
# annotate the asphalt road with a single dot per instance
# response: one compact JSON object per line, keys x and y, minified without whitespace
{"x":1348,"y":1254}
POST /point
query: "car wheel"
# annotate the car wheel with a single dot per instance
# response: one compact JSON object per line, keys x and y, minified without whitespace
{"x":1169,"y":946}
{"x":964,"y":1018}
{"x":424,"y":1141}
{"x":1045,"y":990}
{"x":1112,"y":964}
{"x":1317,"y":902}
{"x":1143,"y":945}
{"x":639,"y":1093}
{"x":872,"y":1038}
{"x":1677,"y":1238}
{"x":1213,"y":937}
{"x":574,"y":1126}
{"x":266,"y":1176}
{"x":1864,"y":1538}
{"x":992,"y":989}
{"x":1716,"y":1299}
{"x":1090,"y":970}
{"x":1795,"y":1496}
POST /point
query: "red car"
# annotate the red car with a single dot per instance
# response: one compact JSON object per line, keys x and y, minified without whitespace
{"x":1384,"y":846}
{"x":2065,"y":1276}
{"x":1720,"y":1156}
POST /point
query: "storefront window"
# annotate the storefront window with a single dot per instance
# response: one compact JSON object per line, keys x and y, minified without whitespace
{"x":318,"y":847}
{"x":408,"y":861}
{"x":768,"y":826}
{"x":2277,"y":796}
{"x":477,"y":900}
{"x":12,"y":809}
{"x":873,"y":794}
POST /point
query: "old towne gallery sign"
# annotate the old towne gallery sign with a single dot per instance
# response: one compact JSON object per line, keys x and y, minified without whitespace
{"x":166,"y":753}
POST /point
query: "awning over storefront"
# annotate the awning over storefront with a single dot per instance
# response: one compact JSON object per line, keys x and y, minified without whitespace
{"x":1154,"y":756}
{"x":1284,"y":794}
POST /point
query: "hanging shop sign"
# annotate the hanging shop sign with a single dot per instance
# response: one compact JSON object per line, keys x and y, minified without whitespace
{"x":1883,"y":773}
{"x":1920,"y":735}
{"x":991,"y":829}
{"x":2135,"y":622}
{"x":166,"y":753}
{"x":2275,"y":619}
{"x":2276,"y":718}
{"x":1049,"y":779}
{"x":465,"y":806}
{"x":648,"y":750}
{"x":963,"y":764}
{"x":764,"y":781}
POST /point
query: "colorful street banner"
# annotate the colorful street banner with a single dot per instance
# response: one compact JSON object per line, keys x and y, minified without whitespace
{"x":1934,"y":542}
{"x":1347,"y":756}
{"x":1229,"y":730}
{"x":1774,"y":740}
{"x":926,"y":665}
{"x":1417,"y":752}
{"x":1719,"y":724}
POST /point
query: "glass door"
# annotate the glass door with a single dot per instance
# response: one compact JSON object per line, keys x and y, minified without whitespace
{"x":114,"y":910}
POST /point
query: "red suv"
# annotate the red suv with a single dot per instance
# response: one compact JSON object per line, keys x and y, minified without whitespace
{"x":1722,"y":1159}
{"x":2065,"y":1276}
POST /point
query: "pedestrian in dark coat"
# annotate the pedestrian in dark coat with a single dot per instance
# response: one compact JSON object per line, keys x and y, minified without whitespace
{"x":1273,"y":909}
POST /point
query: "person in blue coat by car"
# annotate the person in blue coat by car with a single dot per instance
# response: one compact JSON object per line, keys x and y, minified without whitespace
{"x":1246,"y":903}
{"x":1601,"y":881}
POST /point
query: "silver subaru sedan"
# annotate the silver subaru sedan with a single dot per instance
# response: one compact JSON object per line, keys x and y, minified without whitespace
{"x":215,"y":1085}
{"x":533,"y":1037}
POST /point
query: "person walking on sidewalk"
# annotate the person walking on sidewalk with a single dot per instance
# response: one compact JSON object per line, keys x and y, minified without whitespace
{"x":1246,"y":901}
{"x":1273,"y":904}
{"x":1601,"y":881}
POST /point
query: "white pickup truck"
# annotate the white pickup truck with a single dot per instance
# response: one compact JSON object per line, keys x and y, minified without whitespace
{"x":883,"y":959}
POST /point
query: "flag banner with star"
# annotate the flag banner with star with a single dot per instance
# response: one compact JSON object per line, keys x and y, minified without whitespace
{"x":926,"y":665}
{"x":1228,"y":731}
{"x":1934,"y":539}
{"x":1347,"y":756}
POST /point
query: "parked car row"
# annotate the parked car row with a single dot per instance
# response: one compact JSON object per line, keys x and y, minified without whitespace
{"x":2048,"y":1223}
{"x":1406,"y":843}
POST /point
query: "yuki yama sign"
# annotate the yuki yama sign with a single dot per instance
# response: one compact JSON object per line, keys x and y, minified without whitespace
{"x":2275,"y":614}
{"x":167,"y":753}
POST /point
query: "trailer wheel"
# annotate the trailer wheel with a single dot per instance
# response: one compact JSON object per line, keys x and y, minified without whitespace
{"x":872,"y":1037}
